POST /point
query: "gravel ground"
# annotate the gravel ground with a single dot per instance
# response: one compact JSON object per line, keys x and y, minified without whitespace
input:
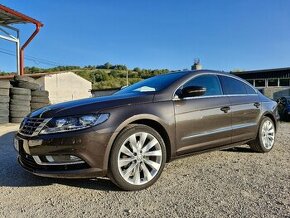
{"x":235,"y":183}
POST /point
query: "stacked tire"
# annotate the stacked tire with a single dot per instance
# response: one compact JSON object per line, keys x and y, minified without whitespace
{"x":19,"y":104}
{"x":4,"y":101}
{"x":39,"y":99}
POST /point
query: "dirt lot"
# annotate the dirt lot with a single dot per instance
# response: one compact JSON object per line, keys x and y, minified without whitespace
{"x":234,"y":182}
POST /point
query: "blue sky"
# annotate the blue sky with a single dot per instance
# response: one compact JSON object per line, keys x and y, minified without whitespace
{"x":224,"y":34}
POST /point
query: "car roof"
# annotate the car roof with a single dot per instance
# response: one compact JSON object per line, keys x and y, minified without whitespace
{"x":200,"y":71}
{"x":189,"y":73}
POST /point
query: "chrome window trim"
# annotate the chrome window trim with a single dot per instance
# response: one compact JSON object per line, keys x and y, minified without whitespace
{"x":213,"y":96}
{"x":216,"y":74}
{"x":198,"y":97}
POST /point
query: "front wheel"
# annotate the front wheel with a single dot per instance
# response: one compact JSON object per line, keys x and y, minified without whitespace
{"x":266,"y":136}
{"x":137,"y":158}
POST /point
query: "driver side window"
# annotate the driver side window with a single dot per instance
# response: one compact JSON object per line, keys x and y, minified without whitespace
{"x":210,"y":82}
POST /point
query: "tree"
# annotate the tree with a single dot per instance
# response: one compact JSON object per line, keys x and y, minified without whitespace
{"x":107,"y":65}
{"x":137,"y":69}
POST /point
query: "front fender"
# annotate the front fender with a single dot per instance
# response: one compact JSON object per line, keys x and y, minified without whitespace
{"x":163,"y":113}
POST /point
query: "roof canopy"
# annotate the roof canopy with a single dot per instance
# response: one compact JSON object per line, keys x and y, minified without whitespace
{"x":9,"y":16}
{"x":267,"y":73}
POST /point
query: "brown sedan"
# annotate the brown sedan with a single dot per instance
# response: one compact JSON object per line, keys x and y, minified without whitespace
{"x":130,"y":135}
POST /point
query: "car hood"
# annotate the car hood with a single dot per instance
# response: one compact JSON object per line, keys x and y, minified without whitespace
{"x":90,"y":105}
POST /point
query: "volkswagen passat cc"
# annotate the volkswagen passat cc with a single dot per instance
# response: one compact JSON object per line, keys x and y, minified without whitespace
{"x":130,"y":135}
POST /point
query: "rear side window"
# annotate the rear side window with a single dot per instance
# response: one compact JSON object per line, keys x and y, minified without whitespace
{"x":232,"y":86}
{"x":210,"y":82}
{"x":250,"y":90}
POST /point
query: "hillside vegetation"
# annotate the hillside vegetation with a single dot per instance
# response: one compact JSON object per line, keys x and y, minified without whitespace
{"x":103,"y":76}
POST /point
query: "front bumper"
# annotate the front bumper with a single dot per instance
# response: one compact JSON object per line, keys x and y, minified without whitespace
{"x":88,"y":145}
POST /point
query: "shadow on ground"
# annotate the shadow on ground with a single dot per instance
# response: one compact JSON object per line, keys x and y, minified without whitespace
{"x":12,"y":175}
{"x":240,"y":150}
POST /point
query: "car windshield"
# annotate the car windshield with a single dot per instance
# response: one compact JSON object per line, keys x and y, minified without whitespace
{"x":153,"y":84}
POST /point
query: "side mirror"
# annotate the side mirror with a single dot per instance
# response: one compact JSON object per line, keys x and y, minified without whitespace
{"x":192,"y":91}
{"x":281,"y":101}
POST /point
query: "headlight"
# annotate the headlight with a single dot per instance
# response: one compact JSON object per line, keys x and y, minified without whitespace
{"x":66,"y":124}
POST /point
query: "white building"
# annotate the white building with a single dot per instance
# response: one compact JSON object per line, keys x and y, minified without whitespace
{"x":63,"y":86}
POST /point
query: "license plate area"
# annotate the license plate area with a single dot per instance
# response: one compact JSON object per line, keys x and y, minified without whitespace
{"x":21,"y":146}
{"x":17,"y":144}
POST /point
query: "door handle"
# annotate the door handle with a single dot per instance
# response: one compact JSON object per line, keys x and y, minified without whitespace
{"x":257,"y":104}
{"x":225,"y":109}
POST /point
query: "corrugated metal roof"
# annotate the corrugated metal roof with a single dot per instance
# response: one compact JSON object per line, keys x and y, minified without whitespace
{"x":9,"y":16}
{"x":267,"y":73}
{"x":6,"y":18}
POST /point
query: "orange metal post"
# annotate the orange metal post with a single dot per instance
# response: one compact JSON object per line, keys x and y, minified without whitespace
{"x":37,"y":28}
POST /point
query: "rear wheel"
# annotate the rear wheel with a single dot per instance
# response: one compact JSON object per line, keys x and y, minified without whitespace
{"x":266,"y":136}
{"x":137,"y":158}
{"x":286,"y":116}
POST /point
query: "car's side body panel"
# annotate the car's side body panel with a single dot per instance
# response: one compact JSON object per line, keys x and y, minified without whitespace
{"x":201,"y":124}
{"x":246,"y":112}
{"x":160,"y":112}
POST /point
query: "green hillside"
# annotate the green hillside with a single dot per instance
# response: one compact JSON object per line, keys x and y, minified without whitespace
{"x":103,"y":76}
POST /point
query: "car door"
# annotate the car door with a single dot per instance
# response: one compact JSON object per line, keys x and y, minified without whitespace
{"x":245,"y":107}
{"x":202,"y":122}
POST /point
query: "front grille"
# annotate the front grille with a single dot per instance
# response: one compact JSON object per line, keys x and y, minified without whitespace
{"x":32,"y":126}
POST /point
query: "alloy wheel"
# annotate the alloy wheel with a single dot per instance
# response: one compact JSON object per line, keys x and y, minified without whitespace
{"x":139,"y":158}
{"x":268,"y":134}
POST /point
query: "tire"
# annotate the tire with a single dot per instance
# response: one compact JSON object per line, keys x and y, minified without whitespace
{"x":23,"y":79}
{"x":21,"y":97}
{"x":4,"y":120}
{"x":16,"y":120}
{"x":19,"y":102}
{"x":40,"y":93}
{"x":4,"y":84}
{"x":19,"y":108}
{"x":4,"y":99}
{"x":20,"y":91}
{"x":263,"y":142}
{"x":19,"y":114}
{"x":39,"y":99}
{"x":148,"y":175}
{"x":28,"y":85}
{"x":34,"y":109}
{"x":4,"y":92}
{"x":285,"y":116}
{"x":4,"y":112}
{"x":4,"y":106}
{"x":38,"y":105}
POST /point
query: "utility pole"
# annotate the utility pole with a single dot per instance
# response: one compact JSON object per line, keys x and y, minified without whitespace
{"x":127,"y":77}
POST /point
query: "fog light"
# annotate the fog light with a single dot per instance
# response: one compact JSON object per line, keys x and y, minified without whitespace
{"x":63,"y":158}
{"x":16,"y":145}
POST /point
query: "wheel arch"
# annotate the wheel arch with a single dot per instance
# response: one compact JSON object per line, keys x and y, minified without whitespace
{"x":272,"y":117}
{"x":146,"y":119}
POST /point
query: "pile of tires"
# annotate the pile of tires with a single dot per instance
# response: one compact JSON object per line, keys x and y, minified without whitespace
{"x":4,"y":101}
{"x":25,"y":96}
{"x":25,"y":82}
{"x":19,"y":104}
{"x":39,"y":98}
